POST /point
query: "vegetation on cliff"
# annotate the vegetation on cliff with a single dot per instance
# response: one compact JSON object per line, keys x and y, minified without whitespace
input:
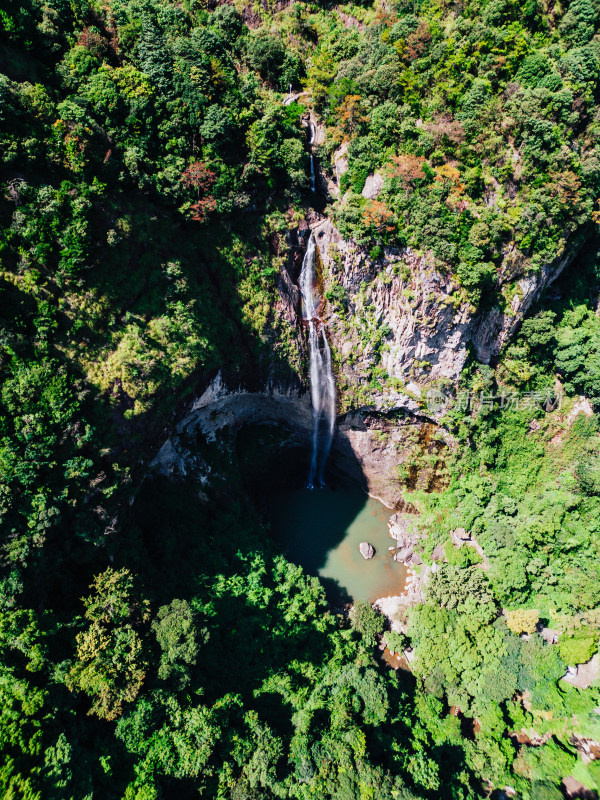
{"x":480,"y":119}
{"x":150,"y":173}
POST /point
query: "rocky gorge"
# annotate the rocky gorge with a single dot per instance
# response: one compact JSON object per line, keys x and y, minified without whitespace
{"x":255,"y":541}
{"x":398,"y":329}
{"x":401,"y":330}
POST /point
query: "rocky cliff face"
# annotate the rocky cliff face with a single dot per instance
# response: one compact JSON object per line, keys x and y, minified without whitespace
{"x":368,"y":447}
{"x":398,"y":327}
{"x":490,"y":331}
{"x":397,"y":324}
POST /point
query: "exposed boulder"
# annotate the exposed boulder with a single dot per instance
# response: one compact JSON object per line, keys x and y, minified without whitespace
{"x":396,"y":607}
{"x":393,"y":607}
{"x":366,"y":550}
{"x":394,"y":313}
{"x":373,"y":186}
{"x":402,"y":529}
{"x":492,"y":329}
{"x":583,"y":675}
{"x":549,"y":635}
{"x":460,"y":536}
{"x":439,"y":553}
{"x":589,"y":749}
{"x":340,"y":160}
{"x":366,"y":448}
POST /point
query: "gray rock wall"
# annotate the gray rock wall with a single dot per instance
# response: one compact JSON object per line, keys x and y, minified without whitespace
{"x":428,"y":322}
{"x":397,"y":326}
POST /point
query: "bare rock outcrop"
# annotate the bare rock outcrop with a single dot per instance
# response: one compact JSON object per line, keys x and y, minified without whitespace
{"x":460,"y":537}
{"x":366,"y":550}
{"x":221,"y":410}
{"x":402,"y":528}
{"x":490,"y":331}
{"x":369,"y":447}
{"x":366,"y":448}
{"x":398,"y":328}
{"x":373,"y":186}
{"x":398,"y":313}
{"x":583,"y":675}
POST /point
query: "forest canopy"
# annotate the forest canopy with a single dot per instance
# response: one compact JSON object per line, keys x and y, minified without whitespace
{"x":154,"y":642}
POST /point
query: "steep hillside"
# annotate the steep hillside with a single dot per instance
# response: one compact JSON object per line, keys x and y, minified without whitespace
{"x":156,"y":204}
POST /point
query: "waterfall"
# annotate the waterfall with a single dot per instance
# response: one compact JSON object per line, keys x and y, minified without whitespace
{"x":322,"y":385}
{"x":313,"y":179}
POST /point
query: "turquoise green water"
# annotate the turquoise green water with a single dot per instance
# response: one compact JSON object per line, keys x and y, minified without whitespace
{"x":321,"y":529}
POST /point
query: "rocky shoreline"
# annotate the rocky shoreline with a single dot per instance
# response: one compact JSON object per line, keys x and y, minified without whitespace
{"x":402,"y":528}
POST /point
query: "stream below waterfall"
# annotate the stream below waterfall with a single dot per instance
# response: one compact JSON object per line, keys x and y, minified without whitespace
{"x":321,"y":529}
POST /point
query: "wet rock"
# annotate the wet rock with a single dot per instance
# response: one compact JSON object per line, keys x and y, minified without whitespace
{"x":366,"y":550}
{"x":218,"y":412}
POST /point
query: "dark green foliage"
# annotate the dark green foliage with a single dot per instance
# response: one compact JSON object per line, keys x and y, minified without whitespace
{"x":366,"y":621}
{"x":578,"y":352}
{"x":488,"y":102}
{"x":152,"y":643}
{"x":563,"y":340}
{"x":544,"y":790}
{"x":178,"y":638}
{"x":267,"y":55}
{"x":525,"y":486}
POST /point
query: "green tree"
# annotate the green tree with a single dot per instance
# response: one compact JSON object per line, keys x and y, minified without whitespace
{"x":111,"y":656}
{"x":578,"y":648}
{"x":367,"y":621}
{"x":179,"y":639}
{"x":266,"y":54}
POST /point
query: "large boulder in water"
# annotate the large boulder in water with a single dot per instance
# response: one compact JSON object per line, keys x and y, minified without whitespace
{"x":366,"y":550}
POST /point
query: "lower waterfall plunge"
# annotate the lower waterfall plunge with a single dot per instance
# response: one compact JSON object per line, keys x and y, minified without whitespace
{"x":322,"y":386}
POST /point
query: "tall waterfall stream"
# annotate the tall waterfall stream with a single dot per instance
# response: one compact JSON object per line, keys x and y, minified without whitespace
{"x":313,"y":177}
{"x":322,"y":384}
{"x":322,"y":530}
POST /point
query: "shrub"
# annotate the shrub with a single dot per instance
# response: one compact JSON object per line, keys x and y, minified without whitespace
{"x":367,"y":621}
{"x":522,"y":620}
{"x":579,"y":648}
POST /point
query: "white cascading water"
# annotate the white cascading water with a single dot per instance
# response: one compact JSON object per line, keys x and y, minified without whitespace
{"x":322,"y":385}
{"x":313,"y":177}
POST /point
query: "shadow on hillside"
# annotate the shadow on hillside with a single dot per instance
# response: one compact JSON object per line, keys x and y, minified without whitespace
{"x":274,"y":465}
{"x":131,"y":284}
